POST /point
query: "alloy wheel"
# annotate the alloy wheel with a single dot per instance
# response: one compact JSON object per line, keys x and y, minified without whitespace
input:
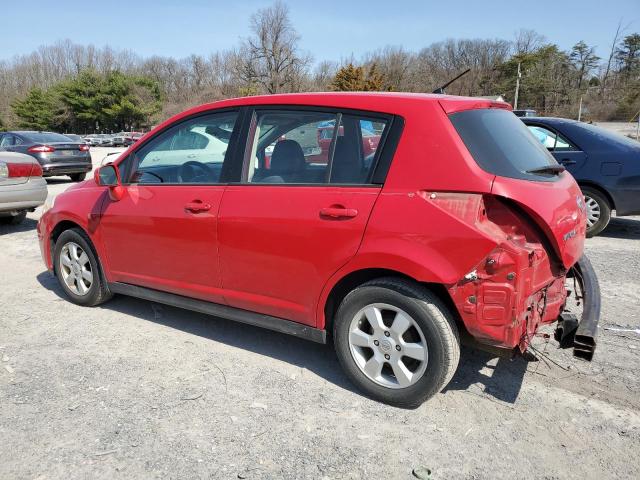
{"x":388,"y":346}
{"x":593,"y":211}
{"x":75,"y":268}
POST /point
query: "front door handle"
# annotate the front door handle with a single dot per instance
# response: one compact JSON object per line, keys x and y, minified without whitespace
{"x":338,"y":211}
{"x":197,"y":206}
{"x":566,"y":161}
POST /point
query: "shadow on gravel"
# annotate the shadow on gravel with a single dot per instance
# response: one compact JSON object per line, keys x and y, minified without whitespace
{"x":24,"y":226}
{"x":501,"y":381}
{"x":623,"y":228}
{"x":319,"y":359}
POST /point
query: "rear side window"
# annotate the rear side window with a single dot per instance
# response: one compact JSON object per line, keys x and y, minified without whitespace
{"x":307,"y":147}
{"x":501,"y":144}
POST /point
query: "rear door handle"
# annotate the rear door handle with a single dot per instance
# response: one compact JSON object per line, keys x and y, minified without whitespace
{"x":338,"y":212}
{"x":566,"y":161}
{"x":197,"y":206}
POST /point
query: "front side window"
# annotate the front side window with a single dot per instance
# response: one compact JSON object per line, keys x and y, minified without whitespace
{"x":303,"y":147}
{"x":553,"y":141}
{"x":191,"y":152}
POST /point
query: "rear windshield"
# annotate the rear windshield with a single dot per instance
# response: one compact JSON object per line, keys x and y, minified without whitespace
{"x":609,"y":136}
{"x":502,"y":144}
{"x":45,"y":137}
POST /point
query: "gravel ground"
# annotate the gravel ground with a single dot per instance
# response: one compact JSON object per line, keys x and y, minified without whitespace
{"x":134,"y":389}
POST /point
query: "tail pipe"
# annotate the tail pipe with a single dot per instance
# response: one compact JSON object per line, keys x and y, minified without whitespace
{"x":582,"y":338}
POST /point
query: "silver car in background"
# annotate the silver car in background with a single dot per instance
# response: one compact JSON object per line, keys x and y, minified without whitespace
{"x":22,"y":187}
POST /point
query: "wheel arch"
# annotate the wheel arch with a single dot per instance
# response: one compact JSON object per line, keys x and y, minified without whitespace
{"x":358,"y":277}
{"x":600,"y":189}
{"x":61,"y":227}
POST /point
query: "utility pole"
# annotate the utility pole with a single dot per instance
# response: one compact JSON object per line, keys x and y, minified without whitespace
{"x":638,"y":127}
{"x":515,"y":100}
{"x":580,"y":109}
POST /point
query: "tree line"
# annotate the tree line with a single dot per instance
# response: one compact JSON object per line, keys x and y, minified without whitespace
{"x":71,"y":87}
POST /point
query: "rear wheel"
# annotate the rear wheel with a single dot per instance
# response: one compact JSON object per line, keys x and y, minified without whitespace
{"x":396,"y":341}
{"x":78,"y":177}
{"x":14,"y":219}
{"x":598,"y":211}
{"x":78,"y":270}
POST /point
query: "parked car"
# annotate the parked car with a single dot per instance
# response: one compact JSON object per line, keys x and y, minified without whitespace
{"x":76,"y":138}
{"x":527,"y":112}
{"x":106,"y":140}
{"x":131,"y":138}
{"x":118,"y":141}
{"x":93,"y":140}
{"x":605,"y":165}
{"x":22,"y":188}
{"x":461,"y":222}
{"x":56,"y":153}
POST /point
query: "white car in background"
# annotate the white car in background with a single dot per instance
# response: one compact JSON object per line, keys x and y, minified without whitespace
{"x":197,"y":144}
{"x":22,"y":187}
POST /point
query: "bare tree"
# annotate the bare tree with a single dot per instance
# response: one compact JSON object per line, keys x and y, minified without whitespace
{"x":612,"y":55}
{"x":527,"y":41}
{"x":270,"y":57}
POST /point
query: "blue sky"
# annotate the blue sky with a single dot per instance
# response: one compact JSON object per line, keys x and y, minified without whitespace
{"x":330,"y":29}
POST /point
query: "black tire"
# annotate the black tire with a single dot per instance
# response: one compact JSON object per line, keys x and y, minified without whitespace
{"x":433,"y":318}
{"x":98,"y":292}
{"x":604,"y":210}
{"x":78,"y":177}
{"x":14,"y":219}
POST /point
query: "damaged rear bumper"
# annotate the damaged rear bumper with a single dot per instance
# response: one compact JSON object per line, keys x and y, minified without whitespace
{"x":581,"y":333}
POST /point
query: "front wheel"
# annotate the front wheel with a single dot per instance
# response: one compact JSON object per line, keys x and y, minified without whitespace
{"x":396,"y":341}
{"x":78,"y":270}
{"x":598,"y":211}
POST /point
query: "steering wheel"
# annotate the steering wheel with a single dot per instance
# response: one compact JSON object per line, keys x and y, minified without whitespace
{"x":188,"y":171}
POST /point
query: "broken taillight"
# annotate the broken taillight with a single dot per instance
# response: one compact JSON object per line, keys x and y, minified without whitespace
{"x":464,"y":206}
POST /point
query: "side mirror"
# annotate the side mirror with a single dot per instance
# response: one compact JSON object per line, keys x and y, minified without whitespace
{"x":109,"y":176}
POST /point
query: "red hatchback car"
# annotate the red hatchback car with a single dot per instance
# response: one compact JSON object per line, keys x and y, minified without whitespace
{"x":458,"y":222}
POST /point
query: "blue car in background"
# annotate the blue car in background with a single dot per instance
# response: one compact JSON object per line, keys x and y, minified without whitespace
{"x":605,"y":165}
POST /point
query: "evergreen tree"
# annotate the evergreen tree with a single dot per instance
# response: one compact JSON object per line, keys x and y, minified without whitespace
{"x":88,"y":101}
{"x":584,"y":60}
{"x":36,"y":111}
{"x":353,"y":79}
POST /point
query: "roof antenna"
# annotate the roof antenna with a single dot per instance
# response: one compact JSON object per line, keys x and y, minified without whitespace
{"x":440,"y":90}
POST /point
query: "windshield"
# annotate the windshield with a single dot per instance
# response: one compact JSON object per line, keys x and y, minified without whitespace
{"x":501,"y":144}
{"x":46,"y":137}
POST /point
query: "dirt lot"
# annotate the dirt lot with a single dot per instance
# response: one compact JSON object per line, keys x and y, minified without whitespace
{"x":134,"y":389}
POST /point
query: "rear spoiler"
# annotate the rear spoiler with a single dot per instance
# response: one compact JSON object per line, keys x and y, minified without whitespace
{"x":452,"y":104}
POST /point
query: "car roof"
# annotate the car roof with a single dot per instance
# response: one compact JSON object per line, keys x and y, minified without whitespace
{"x":23,"y":132}
{"x":383,"y":102}
{"x":549,"y":120}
